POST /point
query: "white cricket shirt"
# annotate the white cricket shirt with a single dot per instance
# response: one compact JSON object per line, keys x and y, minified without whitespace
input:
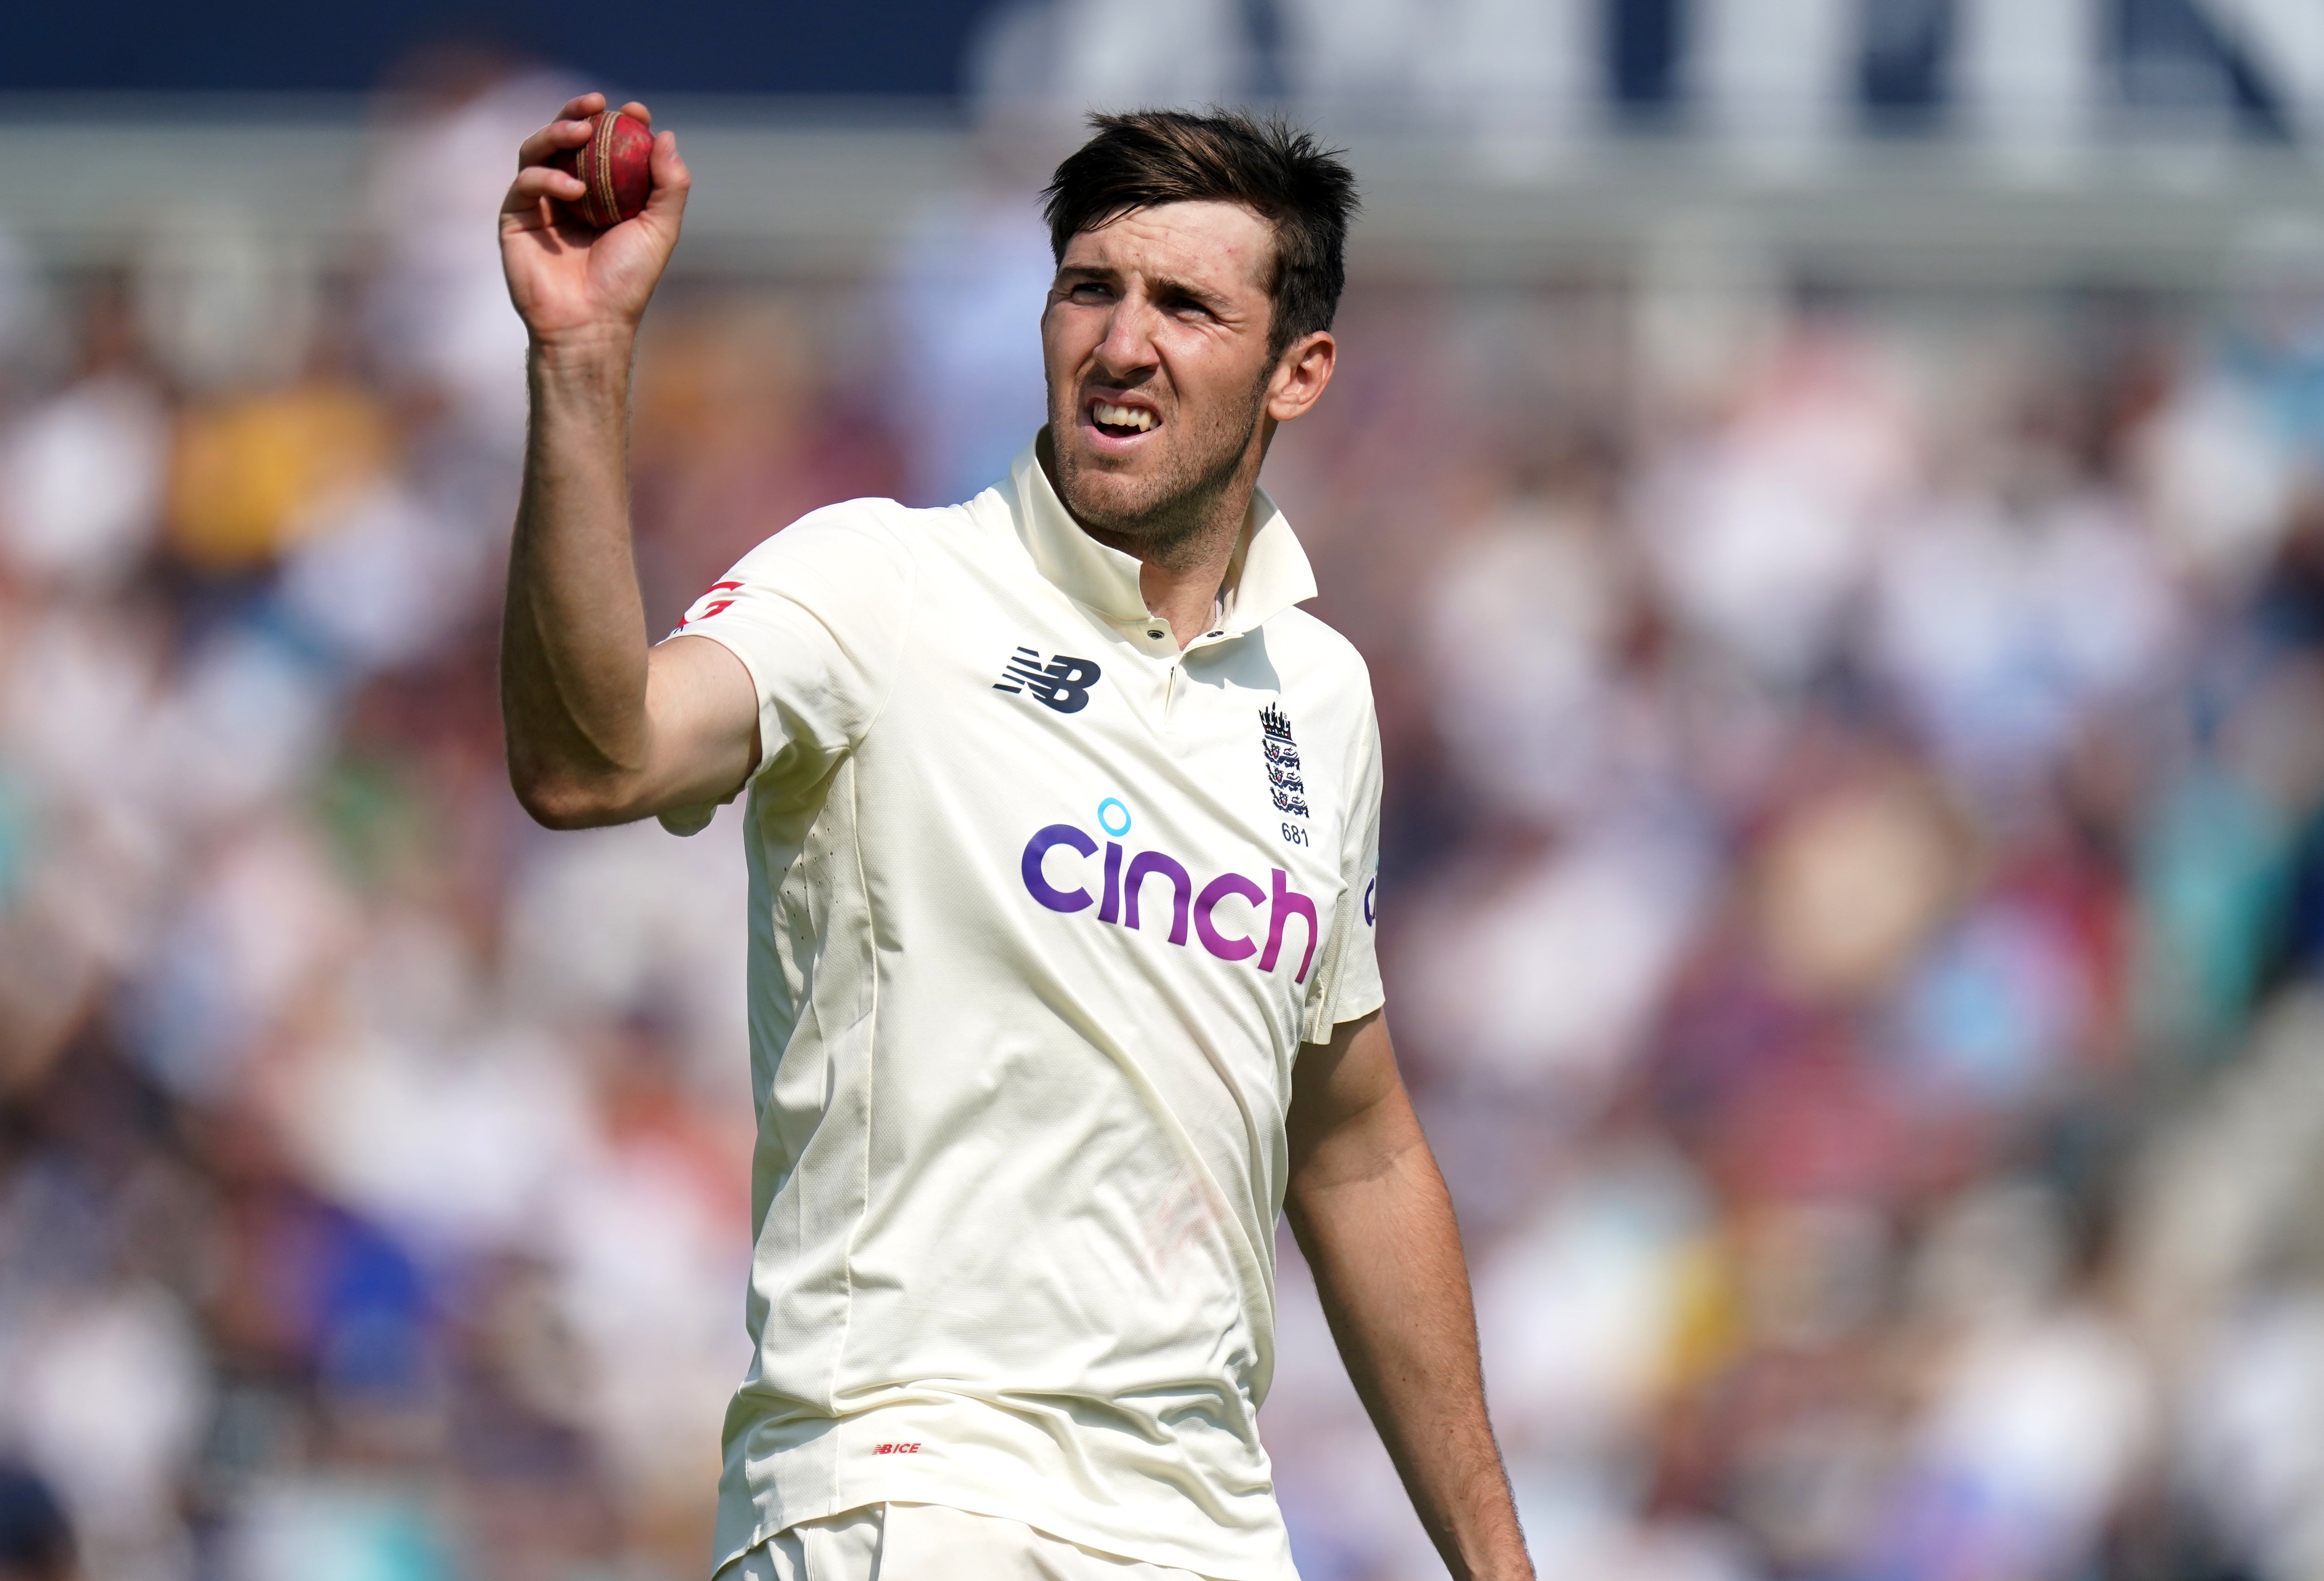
{"x":1041,"y":910}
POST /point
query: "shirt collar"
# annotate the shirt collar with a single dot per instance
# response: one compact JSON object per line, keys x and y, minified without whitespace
{"x":1269,"y":572}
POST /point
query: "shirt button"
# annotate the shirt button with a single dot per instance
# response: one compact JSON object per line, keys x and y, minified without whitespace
{"x":1156,"y":635}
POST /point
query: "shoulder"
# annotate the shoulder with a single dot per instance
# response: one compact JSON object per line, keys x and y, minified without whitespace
{"x":1318,"y":658}
{"x":879,"y":529}
{"x":852,"y":565}
{"x":851,"y":531}
{"x":1327,"y":686}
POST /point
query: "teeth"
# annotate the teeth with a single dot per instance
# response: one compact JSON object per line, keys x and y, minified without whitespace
{"x":1122,"y":417}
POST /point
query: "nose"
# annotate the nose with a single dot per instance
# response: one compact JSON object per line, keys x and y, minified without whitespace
{"x":1128,"y":348}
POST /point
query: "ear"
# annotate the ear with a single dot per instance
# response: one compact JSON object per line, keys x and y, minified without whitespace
{"x":1301,"y":374}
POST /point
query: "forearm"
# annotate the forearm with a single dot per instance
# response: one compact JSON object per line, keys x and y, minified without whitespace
{"x":1371,"y":1214}
{"x":573,"y":648}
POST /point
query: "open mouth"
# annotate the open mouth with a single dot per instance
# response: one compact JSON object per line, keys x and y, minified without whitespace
{"x":1122,"y":422}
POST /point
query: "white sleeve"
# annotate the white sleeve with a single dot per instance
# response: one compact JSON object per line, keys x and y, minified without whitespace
{"x":817,"y":614}
{"x":1349,"y":984}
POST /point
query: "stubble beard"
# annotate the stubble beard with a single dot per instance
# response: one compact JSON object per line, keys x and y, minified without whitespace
{"x":1171,"y":513}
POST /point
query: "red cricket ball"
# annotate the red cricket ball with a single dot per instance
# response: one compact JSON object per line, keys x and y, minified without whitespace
{"x":612,"y":166}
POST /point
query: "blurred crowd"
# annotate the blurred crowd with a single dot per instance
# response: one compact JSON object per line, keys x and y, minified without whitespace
{"x":1854,"y":872}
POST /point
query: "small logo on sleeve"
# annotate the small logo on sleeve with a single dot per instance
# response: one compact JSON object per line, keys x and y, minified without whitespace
{"x":1290,"y":792}
{"x":1062,"y":683}
{"x":714,"y":605}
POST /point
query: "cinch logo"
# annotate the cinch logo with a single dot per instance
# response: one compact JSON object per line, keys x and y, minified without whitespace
{"x":1064,"y":683}
{"x":1123,"y":887}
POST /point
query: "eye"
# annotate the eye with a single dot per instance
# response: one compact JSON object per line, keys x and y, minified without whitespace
{"x":1089,"y":291}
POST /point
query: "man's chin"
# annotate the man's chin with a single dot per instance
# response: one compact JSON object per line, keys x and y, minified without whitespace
{"x":1106,"y":495}
{"x":1107,"y":519}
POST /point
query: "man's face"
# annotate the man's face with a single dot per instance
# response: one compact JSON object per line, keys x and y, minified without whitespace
{"x":1154,"y":339}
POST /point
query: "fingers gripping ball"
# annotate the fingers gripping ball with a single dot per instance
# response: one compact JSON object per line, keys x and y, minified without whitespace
{"x":612,"y":166}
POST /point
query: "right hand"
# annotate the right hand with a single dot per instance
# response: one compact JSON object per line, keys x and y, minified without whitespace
{"x":569,"y":281}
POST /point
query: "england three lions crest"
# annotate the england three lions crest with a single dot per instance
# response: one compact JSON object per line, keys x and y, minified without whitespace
{"x":1282,"y":754}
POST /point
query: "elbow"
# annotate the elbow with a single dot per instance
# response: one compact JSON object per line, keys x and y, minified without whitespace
{"x":565,"y":802}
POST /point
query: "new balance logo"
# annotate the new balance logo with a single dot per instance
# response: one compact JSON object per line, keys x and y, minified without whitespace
{"x":1063,"y":684}
{"x":1282,"y":754}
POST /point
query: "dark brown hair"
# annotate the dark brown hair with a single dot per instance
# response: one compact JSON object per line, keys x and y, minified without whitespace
{"x":1280,"y":173}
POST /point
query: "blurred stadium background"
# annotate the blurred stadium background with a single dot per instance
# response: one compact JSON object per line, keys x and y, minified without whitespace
{"x":1832,"y":494}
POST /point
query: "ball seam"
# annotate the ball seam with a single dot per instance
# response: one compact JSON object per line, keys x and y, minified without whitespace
{"x":608,"y":205}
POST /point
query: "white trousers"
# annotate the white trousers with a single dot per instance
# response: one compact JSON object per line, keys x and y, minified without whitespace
{"x":931,"y":1542}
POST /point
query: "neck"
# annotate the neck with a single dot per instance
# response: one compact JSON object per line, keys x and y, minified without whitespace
{"x":1181,"y":570}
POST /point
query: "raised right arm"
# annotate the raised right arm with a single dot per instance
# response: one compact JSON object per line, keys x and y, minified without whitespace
{"x":601,"y":727}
